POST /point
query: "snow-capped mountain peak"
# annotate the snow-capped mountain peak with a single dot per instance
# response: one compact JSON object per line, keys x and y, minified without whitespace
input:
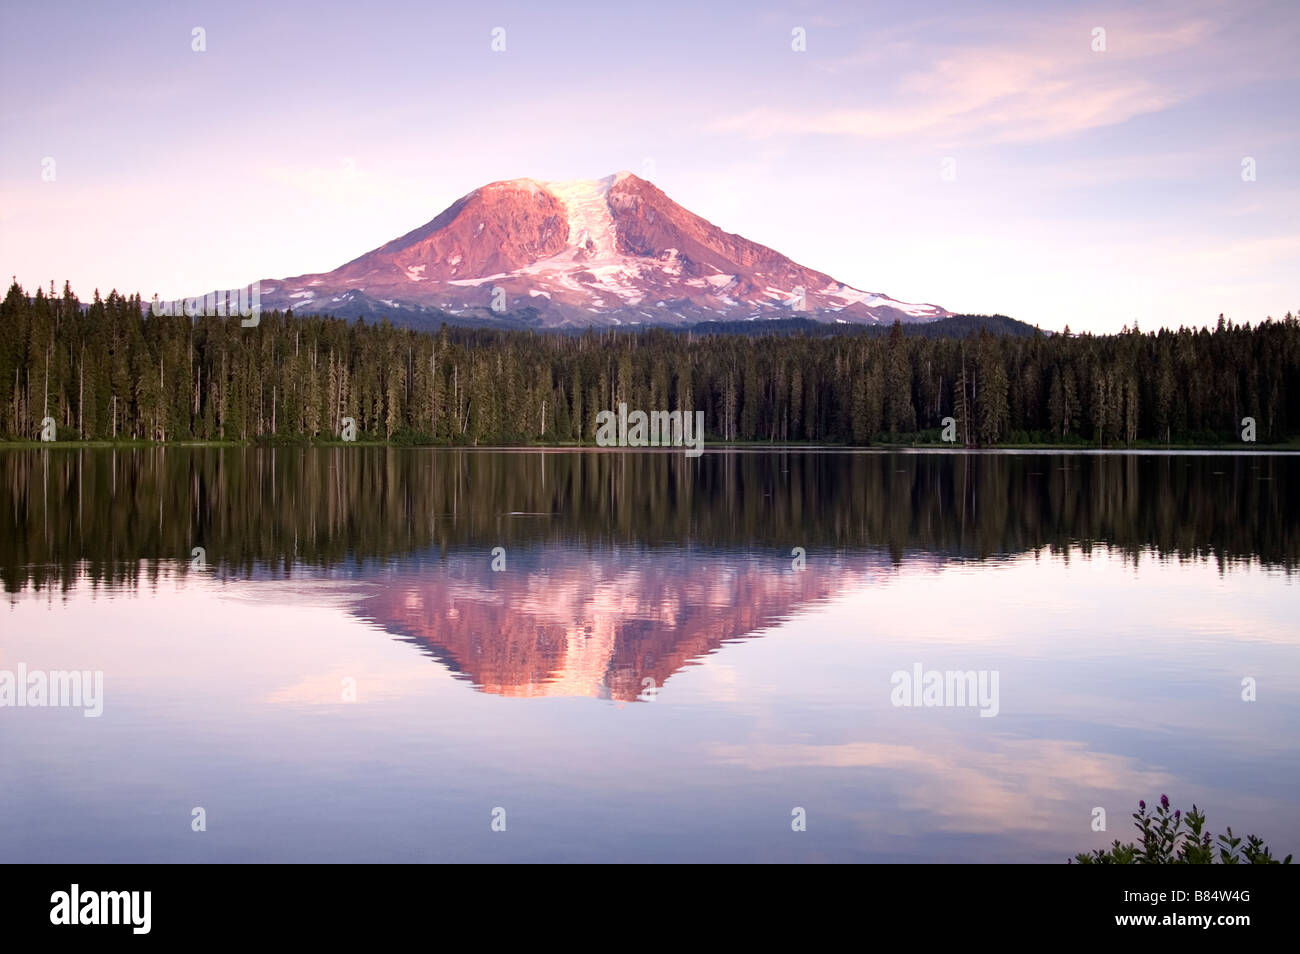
{"x":614,"y":250}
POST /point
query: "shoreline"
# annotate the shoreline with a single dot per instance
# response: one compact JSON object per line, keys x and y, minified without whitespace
{"x":754,"y":447}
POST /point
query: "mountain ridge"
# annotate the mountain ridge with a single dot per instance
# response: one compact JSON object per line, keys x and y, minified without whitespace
{"x":579,"y":253}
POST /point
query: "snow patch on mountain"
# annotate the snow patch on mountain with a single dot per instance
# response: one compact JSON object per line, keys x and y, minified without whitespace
{"x":608,"y":250}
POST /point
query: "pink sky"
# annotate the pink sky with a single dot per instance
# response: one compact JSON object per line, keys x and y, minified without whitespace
{"x":1092,"y":188}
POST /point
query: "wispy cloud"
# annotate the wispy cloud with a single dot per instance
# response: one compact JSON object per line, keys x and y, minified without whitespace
{"x":1016,"y":80}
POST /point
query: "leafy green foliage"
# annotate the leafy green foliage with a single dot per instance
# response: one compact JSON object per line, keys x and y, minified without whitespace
{"x":1171,"y":838}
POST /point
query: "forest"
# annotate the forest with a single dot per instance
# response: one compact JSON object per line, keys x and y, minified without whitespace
{"x":132,"y":514}
{"x":111,"y":370}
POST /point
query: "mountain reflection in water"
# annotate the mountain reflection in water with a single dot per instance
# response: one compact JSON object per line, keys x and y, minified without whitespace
{"x":616,"y":627}
{"x":314,"y":645}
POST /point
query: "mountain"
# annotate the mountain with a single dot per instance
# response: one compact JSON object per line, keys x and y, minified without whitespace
{"x":952,"y":326}
{"x":559,"y":624}
{"x":611,"y":251}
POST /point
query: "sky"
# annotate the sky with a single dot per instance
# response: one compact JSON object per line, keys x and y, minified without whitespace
{"x":989,"y":158}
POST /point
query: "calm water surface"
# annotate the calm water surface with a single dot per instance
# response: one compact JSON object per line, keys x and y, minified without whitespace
{"x":649,"y":675}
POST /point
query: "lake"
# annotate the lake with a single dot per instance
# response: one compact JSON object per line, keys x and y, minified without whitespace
{"x":380,"y":654}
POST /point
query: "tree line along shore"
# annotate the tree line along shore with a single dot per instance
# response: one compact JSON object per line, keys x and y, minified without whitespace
{"x":112,"y":371}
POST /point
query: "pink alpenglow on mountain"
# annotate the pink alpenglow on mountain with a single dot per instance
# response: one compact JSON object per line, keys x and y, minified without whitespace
{"x":611,"y":251}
